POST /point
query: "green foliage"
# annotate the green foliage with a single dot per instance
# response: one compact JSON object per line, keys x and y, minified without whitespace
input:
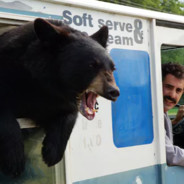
{"x":172,"y":6}
{"x":174,"y":55}
{"x":168,"y":6}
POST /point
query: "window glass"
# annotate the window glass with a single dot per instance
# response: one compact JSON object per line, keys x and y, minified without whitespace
{"x":132,"y":112}
{"x":36,"y":171}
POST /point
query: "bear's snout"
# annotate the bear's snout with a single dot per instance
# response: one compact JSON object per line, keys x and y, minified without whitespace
{"x":112,"y":93}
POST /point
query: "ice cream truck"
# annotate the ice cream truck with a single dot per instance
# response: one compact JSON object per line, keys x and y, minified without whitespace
{"x":125,"y":143}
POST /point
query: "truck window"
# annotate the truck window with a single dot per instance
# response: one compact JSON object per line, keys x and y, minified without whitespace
{"x":132,"y":113}
{"x":171,"y":53}
{"x":36,"y":171}
{"x":175,"y":54}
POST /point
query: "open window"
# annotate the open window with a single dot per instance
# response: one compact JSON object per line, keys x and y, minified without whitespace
{"x":36,"y":171}
{"x":170,"y":53}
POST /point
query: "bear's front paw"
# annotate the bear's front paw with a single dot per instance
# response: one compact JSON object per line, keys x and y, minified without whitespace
{"x":51,"y":153}
{"x":12,"y":161}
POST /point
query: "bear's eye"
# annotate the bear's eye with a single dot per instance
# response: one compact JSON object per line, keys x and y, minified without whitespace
{"x":113,"y":67}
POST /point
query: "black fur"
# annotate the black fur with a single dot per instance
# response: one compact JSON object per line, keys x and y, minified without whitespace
{"x":44,"y":67}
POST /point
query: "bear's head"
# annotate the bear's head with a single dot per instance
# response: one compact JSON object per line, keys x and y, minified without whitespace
{"x":84,"y":68}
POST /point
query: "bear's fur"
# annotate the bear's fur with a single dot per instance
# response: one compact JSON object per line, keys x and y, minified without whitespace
{"x":48,"y":72}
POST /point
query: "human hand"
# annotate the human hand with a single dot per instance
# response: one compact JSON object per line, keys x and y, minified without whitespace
{"x":179,"y":116}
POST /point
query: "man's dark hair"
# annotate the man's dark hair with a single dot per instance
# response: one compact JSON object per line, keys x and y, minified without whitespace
{"x":174,"y":69}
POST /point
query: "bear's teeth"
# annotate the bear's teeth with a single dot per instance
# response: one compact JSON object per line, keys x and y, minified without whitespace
{"x":95,"y":110}
{"x":89,"y":111}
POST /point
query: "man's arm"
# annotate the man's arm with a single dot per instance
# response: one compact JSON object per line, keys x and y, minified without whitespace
{"x":174,"y":154}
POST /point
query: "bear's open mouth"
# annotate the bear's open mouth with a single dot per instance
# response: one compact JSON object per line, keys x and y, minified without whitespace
{"x":87,"y":106}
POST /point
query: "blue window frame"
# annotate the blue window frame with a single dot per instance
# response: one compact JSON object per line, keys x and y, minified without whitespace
{"x":132,"y":112}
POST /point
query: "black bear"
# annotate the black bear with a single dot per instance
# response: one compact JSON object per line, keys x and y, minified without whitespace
{"x":48,"y":72}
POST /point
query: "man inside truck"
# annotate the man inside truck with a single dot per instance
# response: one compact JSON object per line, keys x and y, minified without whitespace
{"x":173,"y":88}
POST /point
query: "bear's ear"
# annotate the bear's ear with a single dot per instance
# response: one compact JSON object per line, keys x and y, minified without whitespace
{"x":48,"y":33}
{"x":101,"y":36}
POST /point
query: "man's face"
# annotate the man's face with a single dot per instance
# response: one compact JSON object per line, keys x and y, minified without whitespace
{"x":172,"y":91}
